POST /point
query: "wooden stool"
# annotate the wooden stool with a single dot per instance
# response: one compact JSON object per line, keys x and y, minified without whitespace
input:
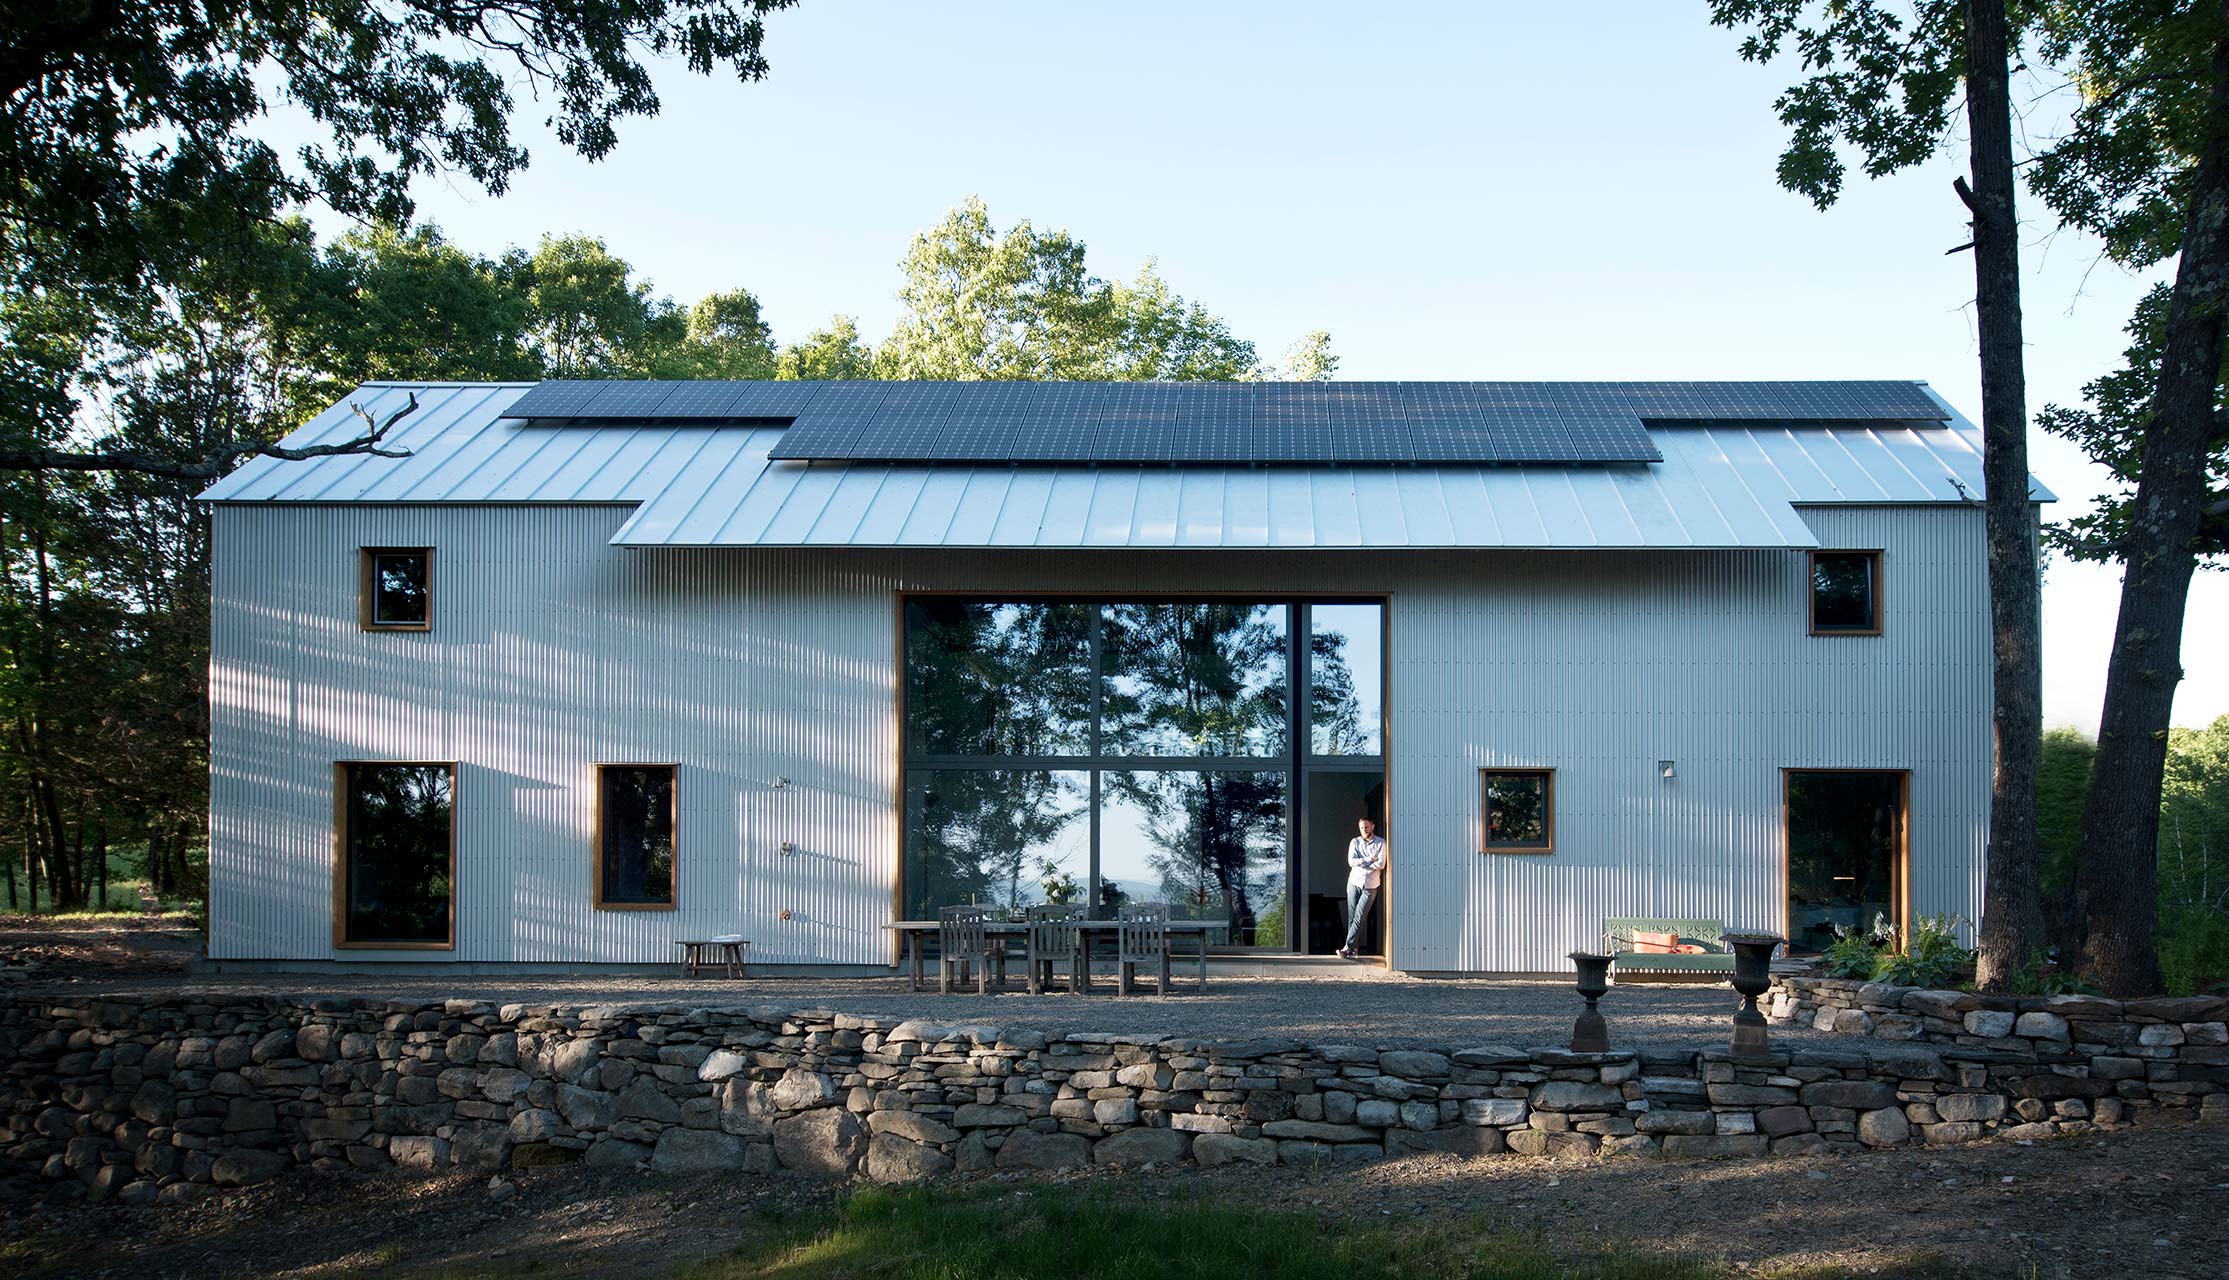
{"x":724,"y":952}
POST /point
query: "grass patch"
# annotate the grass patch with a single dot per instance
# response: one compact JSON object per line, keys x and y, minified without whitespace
{"x":1082,"y":1231}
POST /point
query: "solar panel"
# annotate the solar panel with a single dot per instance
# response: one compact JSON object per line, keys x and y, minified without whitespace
{"x":554,"y":400}
{"x":1228,"y":422}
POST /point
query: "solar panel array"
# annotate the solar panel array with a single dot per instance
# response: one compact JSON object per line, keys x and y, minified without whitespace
{"x":1225,"y":422}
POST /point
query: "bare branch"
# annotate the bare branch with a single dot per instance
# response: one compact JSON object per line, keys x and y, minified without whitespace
{"x":215,"y":465}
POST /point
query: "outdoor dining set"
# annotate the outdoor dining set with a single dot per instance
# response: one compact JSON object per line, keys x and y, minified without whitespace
{"x":1054,"y":941}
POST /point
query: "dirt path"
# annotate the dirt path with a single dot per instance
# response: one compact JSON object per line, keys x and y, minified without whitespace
{"x":2154,"y":1202}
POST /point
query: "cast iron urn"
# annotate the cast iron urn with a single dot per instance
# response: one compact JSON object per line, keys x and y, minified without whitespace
{"x":1752,"y":978}
{"x":1590,"y":1034}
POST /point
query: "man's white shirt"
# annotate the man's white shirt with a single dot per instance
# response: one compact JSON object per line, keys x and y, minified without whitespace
{"x":1365,"y":861}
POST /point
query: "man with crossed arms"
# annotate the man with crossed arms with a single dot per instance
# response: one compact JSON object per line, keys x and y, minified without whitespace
{"x":1365,"y":871}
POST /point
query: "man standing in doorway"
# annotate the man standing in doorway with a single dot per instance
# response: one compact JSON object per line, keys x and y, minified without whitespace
{"x":1365,"y":870}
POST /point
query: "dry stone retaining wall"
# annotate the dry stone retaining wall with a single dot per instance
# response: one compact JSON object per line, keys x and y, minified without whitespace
{"x":2170,"y":1039}
{"x":161,"y":1098}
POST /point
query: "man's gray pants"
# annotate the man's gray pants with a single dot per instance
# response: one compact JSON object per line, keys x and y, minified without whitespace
{"x":1358,"y":910}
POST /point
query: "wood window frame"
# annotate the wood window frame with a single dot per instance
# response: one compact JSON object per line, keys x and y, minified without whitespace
{"x":341,"y":941}
{"x":1547,"y":775}
{"x":368,"y":597}
{"x":1879,"y":590}
{"x":596,"y":844}
{"x":1901,"y":891}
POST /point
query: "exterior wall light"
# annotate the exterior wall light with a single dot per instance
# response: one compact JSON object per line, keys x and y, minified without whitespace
{"x":781,"y":784}
{"x":788,"y":847}
{"x":1665,"y":767}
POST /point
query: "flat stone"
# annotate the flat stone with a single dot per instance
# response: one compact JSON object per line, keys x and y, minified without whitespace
{"x":1779,"y":1122}
{"x":697,"y":1151}
{"x":2041,"y":1026}
{"x":1688,"y":1122}
{"x":1134,"y":1147}
{"x":1856,"y":1095}
{"x":891,"y":1158}
{"x":722,"y":1063}
{"x":978,"y":1116}
{"x":1577,"y":1095}
{"x":1989,"y":1023}
{"x":1030,"y":1149}
{"x":912,"y":1126}
{"x":1413,"y":1064}
{"x":535,"y":1124}
{"x":1222,"y":1148}
{"x":1982,"y":1107}
{"x":1318,"y":1131}
{"x":1494,"y":1111}
{"x":1751,"y":1095}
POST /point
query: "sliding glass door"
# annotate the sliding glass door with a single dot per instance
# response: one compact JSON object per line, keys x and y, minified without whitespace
{"x":1114,"y":751}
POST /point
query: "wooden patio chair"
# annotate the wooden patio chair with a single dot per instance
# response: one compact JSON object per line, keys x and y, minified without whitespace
{"x":963,"y":942}
{"x":1055,"y":939}
{"x":1141,"y":937}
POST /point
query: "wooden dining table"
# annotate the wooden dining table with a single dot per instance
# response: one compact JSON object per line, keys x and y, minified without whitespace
{"x":912,"y":932}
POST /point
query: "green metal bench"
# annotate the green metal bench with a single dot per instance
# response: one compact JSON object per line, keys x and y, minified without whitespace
{"x":1619,"y":931}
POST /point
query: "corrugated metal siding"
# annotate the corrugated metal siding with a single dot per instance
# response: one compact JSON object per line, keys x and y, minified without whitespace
{"x":552,"y":650}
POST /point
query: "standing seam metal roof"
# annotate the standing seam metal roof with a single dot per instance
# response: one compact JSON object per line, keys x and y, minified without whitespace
{"x":1721,"y":484}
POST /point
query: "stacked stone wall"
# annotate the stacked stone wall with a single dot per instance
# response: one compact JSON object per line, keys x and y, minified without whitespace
{"x":141,"y":1099}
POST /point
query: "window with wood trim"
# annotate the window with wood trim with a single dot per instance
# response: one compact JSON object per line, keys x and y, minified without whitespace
{"x":1517,"y":810}
{"x":1845,"y":593}
{"x":397,"y":588}
{"x":396,"y":881}
{"x":634,"y":837}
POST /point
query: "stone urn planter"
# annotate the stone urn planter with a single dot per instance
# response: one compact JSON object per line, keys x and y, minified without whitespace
{"x":1752,"y":978}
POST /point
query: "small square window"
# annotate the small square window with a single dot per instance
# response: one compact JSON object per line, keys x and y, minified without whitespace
{"x":398,"y":588}
{"x":1846,"y":593}
{"x":634,"y":836}
{"x":1519,"y":810}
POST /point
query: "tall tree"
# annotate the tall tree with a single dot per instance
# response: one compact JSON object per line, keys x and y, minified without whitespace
{"x":833,"y":351}
{"x":1023,"y":304}
{"x":1882,"y":77}
{"x":132,"y":136}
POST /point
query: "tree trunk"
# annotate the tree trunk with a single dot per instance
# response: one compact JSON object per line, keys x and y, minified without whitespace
{"x":2012,"y":909}
{"x":100,"y":869}
{"x":2120,"y":822}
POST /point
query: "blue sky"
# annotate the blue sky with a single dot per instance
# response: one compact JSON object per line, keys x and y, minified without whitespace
{"x":1453,"y":190}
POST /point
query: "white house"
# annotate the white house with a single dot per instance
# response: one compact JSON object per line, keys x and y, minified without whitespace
{"x":599,"y":666}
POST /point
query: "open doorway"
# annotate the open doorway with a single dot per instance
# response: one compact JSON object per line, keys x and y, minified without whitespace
{"x":1333,"y":801}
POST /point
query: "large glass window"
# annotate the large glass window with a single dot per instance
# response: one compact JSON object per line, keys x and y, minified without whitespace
{"x":1346,"y":655}
{"x":397,"y":854}
{"x":1211,"y":844}
{"x":1193,"y":680}
{"x":987,"y":679}
{"x":1002,"y":837}
{"x":1112,"y":751}
{"x":1845,"y":854}
{"x":634,"y":835}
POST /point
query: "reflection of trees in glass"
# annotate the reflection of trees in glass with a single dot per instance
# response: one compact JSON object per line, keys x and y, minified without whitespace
{"x":399,"y":587}
{"x":638,"y":834}
{"x":1334,"y":712}
{"x":979,"y":835}
{"x":1218,"y":838}
{"x":398,"y":853}
{"x":998,"y":679}
{"x":1842,"y":591}
{"x":1193,"y":679}
{"x":1516,"y":808}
